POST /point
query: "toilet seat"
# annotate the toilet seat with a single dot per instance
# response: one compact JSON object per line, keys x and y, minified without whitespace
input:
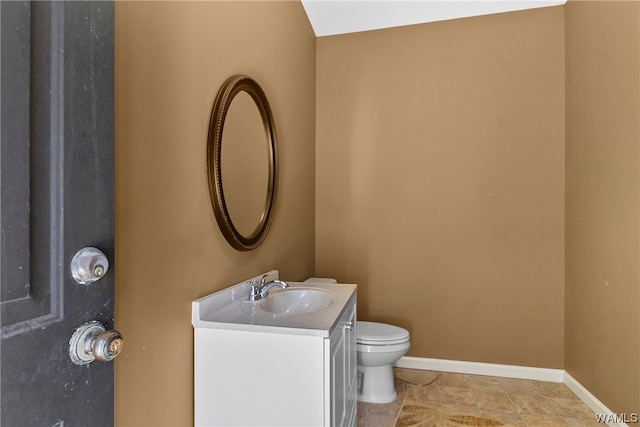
{"x":373,"y":333}
{"x":384,"y":348}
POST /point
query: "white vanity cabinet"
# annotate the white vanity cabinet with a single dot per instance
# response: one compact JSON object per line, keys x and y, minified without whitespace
{"x":282,"y":376}
{"x":343,"y":373}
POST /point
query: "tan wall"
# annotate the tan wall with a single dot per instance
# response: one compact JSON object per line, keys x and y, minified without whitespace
{"x":171,"y":58}
{"x":603,"y":200}
{"x":440,"y":182}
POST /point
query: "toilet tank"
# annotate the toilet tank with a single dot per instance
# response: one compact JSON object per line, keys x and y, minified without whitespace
{"x":320,"y":280}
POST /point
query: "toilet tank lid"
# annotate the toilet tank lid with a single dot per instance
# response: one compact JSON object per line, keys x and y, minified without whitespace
{"x":373,"y":331}
{"x":320,"y":280}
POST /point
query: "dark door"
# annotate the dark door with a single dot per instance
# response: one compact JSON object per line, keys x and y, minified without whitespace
{"x":56,"y":171}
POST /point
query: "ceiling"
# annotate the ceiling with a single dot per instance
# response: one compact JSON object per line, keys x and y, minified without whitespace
{"x":330,"y":17}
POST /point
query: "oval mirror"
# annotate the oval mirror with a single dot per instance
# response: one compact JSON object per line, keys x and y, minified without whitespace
{"x":242,"y":160}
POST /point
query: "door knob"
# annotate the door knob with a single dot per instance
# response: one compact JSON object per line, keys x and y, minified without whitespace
{"x":89,"y":265}
{"x":349,"y":325}
{"x":92,"y":341}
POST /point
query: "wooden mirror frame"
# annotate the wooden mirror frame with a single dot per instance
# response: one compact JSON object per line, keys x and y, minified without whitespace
{"x":229,"y":89}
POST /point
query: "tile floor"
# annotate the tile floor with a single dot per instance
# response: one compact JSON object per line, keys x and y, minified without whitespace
{"x":428,"y":398}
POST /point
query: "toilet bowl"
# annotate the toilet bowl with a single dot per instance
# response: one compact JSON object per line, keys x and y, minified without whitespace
{"x":379,"y":346}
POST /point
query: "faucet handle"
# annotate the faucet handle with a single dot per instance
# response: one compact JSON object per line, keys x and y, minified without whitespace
{"x":254,"y":292}
{"x":259,"y":291}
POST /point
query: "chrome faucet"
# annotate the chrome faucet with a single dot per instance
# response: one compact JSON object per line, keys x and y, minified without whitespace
{"x":261,"y":290}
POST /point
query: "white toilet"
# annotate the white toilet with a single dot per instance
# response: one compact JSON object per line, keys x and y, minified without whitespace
{"x":379,"y":346}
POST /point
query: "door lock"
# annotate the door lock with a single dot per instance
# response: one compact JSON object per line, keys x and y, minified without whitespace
{"x":89,"y":265}
{"x":92,"y":341}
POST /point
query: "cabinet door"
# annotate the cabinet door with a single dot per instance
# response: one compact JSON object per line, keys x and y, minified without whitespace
{"x":338,"y":365}
{"x":343,"y":370}
{"x":351,"y":377}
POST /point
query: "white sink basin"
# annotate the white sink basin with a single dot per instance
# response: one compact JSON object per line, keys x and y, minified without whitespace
{"x":297,"y":301}
{"x":301,"y":309}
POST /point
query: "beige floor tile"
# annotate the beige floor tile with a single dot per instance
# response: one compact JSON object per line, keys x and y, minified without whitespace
{"x":447,"y":379}
{"x":582,"y":422}
{"x":483,"y":382}
{"x":397,"y":373}
{"x":514,"y":385}
{"x":440,"y":399}
{"x":489,"y":399}
{"x":558,"y":390}
{"x":419,"y":377}
{"x":423,"y":393}
{"x":455,"y":409}
{"x":363,"y":407}
{"x":571,"y":408}
{"x":362,"y":419}
{"x":534,"y":420}
{"x":512,"y":418}
{"x":390,"y":408}
{"x":456,"y":396}
{"x":421,"y":414}
{"x":380,"y":419}
{"x":400,"y":386}
{"x":416,"y":413}
{"x":532,"y":404}
{"x":463,"y":415}
{"x":383,"y":415}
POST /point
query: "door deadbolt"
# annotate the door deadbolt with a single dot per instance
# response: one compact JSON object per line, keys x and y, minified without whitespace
{"x":92,"y":341}
{"x":89,"y":265}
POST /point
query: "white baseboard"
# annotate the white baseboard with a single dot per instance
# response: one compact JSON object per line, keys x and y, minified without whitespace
{"x":589,"y":399}
{"x":478,"y":368}
{"x":509,"y":371}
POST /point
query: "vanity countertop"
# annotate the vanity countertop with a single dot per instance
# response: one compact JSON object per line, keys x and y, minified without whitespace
{"x":230,"y":309}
